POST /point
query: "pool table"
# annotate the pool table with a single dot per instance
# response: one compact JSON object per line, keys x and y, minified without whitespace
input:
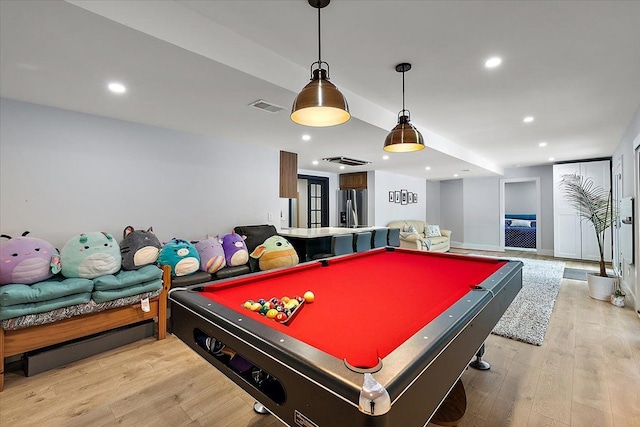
{"x":388,"y":333}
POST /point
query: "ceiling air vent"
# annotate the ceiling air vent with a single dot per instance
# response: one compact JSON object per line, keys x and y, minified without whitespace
{"x":266,"y":106}
{"x":346,"y":161}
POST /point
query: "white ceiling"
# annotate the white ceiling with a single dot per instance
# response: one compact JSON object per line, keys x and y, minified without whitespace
{"x":195,"y":66}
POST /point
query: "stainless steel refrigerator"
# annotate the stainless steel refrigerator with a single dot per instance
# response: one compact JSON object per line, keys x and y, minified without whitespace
{"x":352,"y":208}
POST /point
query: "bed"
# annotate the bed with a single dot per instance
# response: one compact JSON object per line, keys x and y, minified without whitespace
{"x":520,"y":231}
{"x":16,"y":337}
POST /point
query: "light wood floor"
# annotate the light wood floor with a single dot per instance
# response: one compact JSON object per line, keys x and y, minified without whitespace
{"x":586,"y":373}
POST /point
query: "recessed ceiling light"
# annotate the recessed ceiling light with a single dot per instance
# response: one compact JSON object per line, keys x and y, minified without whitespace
{"x":385,"y":157}
{"x":117,"y":87}
{"x":542,"y":144}
{"x":306,"y":137}
{"x":493,"y":62}
{"x":428,"y":168}
{"x":341,"y":167}
{"x":551,"y":159}
{"x":455,"y":175}
{"x":528,"y":119}
{"x":315,"y":162}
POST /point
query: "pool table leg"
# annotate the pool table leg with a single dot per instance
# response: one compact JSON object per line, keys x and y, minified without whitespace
{"x":260,"y":408}
{"x":478,"y":363}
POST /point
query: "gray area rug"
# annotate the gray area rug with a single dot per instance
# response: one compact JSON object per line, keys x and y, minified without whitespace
{"x":527,"y":317}
{"x":575,"y":274}
{"x":579,"y":274}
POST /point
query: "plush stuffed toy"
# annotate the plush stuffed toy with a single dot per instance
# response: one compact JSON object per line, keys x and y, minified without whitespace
{"x":275,"y":252}
{"x":181,"y":256}
{"x":211,"y":254}
{"x":235,"y":250}
{"x":90,"y":255}
{"x":139,"y":248}
{"x":27,"y":260}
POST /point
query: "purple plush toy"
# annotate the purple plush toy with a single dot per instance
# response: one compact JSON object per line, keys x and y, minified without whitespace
{"x":27,"y":260}
{"x":235,"y":250}
{"x":211,"y":254}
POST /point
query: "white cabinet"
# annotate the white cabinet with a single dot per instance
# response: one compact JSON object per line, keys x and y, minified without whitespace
{"x":573,"y":237}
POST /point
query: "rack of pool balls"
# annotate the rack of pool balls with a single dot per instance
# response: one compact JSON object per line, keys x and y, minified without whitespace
{"x":281,"y":310}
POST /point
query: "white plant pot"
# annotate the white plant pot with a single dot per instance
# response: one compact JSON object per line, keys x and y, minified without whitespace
{"x":618,"y":301}
{"x":600,"y":287}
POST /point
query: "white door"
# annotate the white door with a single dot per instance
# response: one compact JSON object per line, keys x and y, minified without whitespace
{"x":600,"y":173}
{"x":567,"y":235}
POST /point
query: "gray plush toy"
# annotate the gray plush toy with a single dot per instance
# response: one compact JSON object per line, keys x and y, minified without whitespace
{"x":139,"y":248}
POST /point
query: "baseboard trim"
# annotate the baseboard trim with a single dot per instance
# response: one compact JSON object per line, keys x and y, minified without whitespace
{"x":470,"y":246}
{"x":490,"y":248}
{"x":546,"y":252}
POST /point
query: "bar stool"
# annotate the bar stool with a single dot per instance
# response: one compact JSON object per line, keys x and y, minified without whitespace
{"x":342,"y":244}
{"x":362,"y":241}
{"x":394,"y":237}
{"x":379,"y":239}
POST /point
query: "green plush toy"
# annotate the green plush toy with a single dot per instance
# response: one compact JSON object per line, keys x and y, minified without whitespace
{"x":275,"y":252}
{"x":90,"y":255}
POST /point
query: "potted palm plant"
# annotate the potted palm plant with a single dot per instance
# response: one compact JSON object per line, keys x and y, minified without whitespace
{"x":594,"y":205}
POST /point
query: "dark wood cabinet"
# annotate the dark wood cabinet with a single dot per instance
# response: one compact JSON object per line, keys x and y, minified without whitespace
{"x":288,"y":175}
{"x":353,"y":181}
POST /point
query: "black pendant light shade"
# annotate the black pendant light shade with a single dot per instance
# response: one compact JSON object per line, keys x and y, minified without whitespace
{"x":320,"y":103}
{"x":404,"y":137}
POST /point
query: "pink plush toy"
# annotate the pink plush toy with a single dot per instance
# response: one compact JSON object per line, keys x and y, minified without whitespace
{"x":27,"y":260}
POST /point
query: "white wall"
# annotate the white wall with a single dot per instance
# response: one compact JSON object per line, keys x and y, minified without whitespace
{"x":520,"y":197}
{"x":481,"y":213}
{"x":386,"y":211}
{"x":470,"y":207}
{"x":630,"y":188}
{"x":452,"y":210}
{"x":63,"y":173}
{"x":433,"y":202}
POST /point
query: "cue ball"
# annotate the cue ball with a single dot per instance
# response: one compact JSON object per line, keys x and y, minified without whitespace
{"x":308,"y":296}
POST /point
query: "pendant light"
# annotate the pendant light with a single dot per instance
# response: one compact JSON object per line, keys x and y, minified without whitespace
{"x":404,"y":137}
{"x":320,"y":103}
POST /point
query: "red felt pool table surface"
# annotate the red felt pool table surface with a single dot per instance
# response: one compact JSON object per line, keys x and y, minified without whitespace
{"x":365,"y":304}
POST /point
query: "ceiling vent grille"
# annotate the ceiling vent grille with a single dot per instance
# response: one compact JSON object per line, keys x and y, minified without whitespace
{"x":261,"y":104}
{"x":346,"y":161}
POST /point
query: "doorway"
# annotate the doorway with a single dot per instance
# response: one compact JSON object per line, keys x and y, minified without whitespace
{"x":311,"y":208}
{"x":520,"y":211}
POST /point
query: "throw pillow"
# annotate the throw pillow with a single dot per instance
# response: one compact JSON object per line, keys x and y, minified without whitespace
{"x":432,"y":231}
{"x":411,"y":229}
{"x":520,"y":223}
